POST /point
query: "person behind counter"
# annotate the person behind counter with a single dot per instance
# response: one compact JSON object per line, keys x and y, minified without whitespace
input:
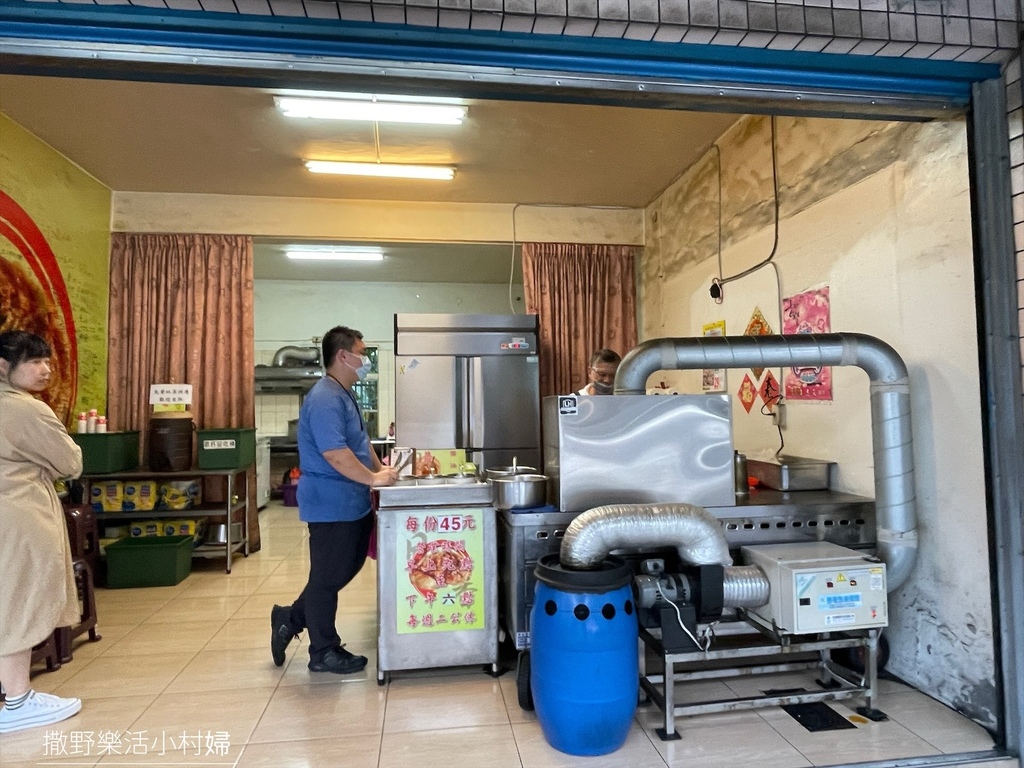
{"x":37,"y":591}
{"x":601,"y":372}
{"x":338,"y":469}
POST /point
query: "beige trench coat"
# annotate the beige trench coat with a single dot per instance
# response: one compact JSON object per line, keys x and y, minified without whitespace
{"x":37,"y":591}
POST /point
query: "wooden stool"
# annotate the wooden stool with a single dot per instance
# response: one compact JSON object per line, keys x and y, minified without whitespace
{"x":65,"y":636}
{"x":47,"y":651}
{"x":83,"y":533}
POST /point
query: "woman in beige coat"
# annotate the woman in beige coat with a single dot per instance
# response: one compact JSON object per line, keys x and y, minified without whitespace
{"x":37,"y":592}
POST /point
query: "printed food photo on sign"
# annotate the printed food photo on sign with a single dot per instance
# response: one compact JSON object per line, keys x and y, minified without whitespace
{"x":33,"y":298}
{"x":443,"y":566}
{"x":808,"y":312}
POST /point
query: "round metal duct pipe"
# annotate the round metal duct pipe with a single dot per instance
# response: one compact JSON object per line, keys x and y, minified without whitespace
{"x":895,"y":501}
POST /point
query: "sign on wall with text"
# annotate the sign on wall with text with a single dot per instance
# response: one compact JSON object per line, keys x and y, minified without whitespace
{"x":713,"y":379}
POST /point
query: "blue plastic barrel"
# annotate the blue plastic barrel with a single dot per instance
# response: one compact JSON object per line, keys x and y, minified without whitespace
{"x":583,"y":656}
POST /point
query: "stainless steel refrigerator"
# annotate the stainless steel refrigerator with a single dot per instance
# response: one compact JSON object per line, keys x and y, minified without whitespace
{"x":470,"y":382}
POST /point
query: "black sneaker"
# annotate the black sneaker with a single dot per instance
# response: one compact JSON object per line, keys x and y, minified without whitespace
{"x":339,"y":661}
{"x":280,"y":633}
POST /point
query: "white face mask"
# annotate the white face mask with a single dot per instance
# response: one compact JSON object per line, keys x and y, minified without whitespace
{"x":363,"y":370}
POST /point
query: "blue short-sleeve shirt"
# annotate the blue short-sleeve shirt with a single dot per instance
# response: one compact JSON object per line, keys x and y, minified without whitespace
{"x":330,"y":419}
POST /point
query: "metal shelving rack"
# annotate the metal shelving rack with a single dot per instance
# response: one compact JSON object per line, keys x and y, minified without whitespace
{"x":227,"y":508}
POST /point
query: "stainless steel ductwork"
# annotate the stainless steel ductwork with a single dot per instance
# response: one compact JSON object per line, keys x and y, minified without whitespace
{"x":302,"y":355}
{"x":745,"y":586}
{"x":693,"y":531}
{"x":890,"y":410}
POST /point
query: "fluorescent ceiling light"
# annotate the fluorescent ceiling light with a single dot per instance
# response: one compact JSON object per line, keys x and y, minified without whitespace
{"x":391,"y":170}
{"x":371,"y":109}
{"x":334,"y":253}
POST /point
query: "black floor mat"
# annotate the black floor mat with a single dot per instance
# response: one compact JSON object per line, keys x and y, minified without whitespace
{"x":817,"y":716}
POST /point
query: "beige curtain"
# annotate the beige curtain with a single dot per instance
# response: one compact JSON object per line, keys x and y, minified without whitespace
{"x":181,"y":311}
{"x":585,"y":296}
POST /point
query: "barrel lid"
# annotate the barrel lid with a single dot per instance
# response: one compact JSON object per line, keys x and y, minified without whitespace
{"x":612,"y":573}
{"x":171,"y":415}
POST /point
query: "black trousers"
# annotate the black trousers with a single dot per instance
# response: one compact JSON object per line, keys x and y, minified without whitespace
{"x":337,"y":552}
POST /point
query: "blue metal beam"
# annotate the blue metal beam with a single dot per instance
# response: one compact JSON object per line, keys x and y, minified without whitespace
{"x":226,"y":32}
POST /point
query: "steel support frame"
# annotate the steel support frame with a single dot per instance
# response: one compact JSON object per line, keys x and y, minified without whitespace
{"x":1003,"y":400}
{"x":764,"y":646}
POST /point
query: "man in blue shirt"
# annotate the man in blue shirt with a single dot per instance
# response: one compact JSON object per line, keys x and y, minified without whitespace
{"x":338,"y":469}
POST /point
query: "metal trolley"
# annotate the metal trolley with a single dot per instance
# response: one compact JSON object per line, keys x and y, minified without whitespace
{"x":746,"y":649}
{"x":409,"y":515}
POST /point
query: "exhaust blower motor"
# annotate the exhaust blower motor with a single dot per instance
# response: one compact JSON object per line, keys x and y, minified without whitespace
{"x":666,"y":600}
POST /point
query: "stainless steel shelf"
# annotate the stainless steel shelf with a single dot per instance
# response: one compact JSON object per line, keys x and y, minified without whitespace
{"x":224,"y":509}
{"x":216,"y":550}
{"x":159,"y":514}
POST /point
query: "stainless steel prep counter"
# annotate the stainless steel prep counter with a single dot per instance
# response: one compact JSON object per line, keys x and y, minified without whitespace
{"x":436,"y":577}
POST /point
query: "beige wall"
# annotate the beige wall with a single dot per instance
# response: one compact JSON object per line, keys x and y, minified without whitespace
{"x":374,"y":220}
{"x":880,"y":213}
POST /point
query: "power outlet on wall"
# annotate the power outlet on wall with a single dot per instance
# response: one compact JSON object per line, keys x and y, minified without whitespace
{"x":779,"y":414}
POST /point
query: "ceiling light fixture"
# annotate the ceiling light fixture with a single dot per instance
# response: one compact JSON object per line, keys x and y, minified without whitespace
{"x":334,"y":253}
{"x":390,"y":170}
{"x":372,"y":109}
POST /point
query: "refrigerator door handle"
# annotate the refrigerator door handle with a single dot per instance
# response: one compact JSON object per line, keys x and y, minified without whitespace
{"x":474,"y":404}
{"x":461,"y":402}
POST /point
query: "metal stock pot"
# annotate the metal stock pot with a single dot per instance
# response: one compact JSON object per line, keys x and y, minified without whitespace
{"x":519,"y":491}
{"x":495,"y":472}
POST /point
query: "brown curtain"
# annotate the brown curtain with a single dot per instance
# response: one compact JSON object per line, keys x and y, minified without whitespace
{"x":181,"y":311}
{"x":585,"y":296}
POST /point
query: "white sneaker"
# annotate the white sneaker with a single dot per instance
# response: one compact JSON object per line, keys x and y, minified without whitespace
{"x":40,"y":709}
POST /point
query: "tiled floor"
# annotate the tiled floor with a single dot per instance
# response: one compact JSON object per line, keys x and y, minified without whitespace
{"x":194,"y":659}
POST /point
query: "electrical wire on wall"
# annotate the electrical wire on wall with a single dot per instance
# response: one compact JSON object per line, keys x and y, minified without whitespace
{"x":717,"y":290}
{"x":512,"y":265}
{"x":718,"y":283}
{"x":718,"y":151}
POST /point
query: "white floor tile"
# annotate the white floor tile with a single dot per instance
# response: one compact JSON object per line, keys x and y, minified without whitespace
{"x":197,"y":656}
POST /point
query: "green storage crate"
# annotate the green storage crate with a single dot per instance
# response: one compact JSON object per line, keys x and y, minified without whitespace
{"x":149,"y":561}
{"x":226,"y":448}
{"x":107,"y":452}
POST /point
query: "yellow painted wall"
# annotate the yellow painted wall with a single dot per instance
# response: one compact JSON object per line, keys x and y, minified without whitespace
{"x":72,"y":210}
{"x":374,"y":219}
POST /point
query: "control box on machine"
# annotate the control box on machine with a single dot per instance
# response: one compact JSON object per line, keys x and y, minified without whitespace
{"x":820,"y":587}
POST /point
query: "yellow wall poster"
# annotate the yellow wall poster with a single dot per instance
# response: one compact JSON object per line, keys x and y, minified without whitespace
{"x":440,"y":575}
{"x":713,"y":379}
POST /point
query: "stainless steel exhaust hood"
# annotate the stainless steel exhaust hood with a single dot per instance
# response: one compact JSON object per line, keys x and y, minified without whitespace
{"x":283,"y":379}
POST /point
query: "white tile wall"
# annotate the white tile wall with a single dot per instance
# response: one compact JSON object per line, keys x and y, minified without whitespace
{"x":274,"y":411}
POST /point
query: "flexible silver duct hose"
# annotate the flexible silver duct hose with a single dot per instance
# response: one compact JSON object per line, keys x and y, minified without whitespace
{"x":308,"y":355}
{"x":695,"y":533}
{"x":744,"y":586}
{"x":890,"y":410}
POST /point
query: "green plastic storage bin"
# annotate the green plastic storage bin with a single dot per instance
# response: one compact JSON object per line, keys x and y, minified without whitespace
{"x":107,"y":452}
{"x":226,"y":448}
{"x":149,"y":561}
